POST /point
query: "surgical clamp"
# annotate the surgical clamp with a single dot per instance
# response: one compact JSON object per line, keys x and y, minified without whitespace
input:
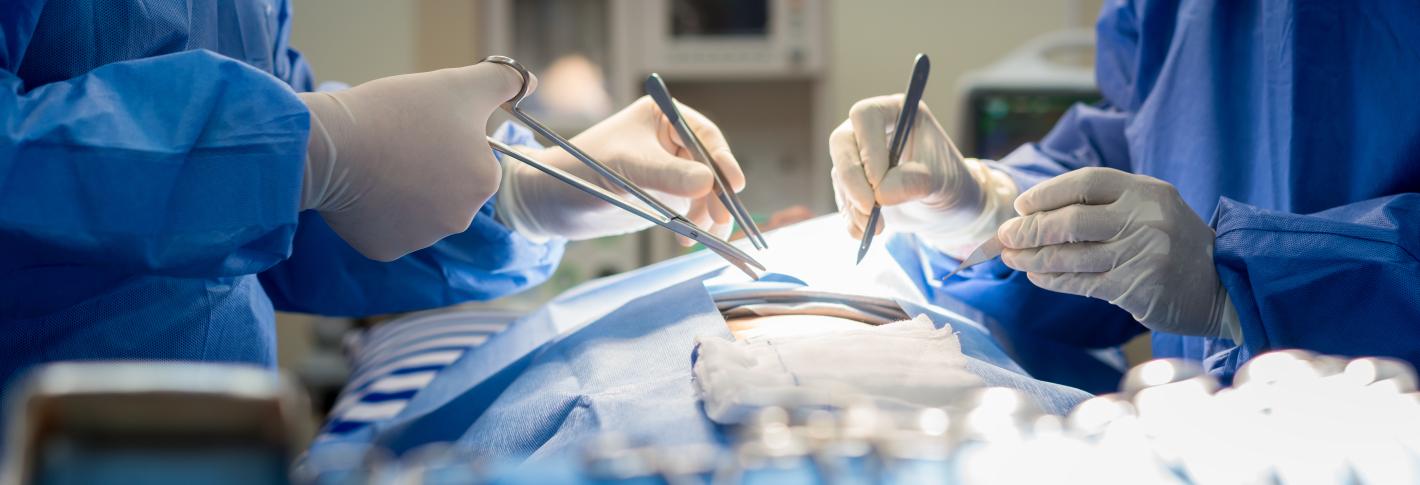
{"x":656,"y":88}
{"x":658,"y":214}
{"x":920,"y":66}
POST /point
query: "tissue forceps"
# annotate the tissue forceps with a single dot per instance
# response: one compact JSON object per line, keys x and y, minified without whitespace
{"x":658,"y":213}
{"x":656,"y":88}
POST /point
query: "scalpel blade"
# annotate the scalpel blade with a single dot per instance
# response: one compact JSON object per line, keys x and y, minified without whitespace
{"x":983,"y":253}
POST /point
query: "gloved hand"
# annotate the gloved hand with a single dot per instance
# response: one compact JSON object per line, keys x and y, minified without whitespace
{"x":398,"y":163}
{"x":1129,"y":239}
{"x":640,"y":144}
{"x":951,"y":202}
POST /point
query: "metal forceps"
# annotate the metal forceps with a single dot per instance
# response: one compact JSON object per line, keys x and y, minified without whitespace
{"x":920,"y":66}
{"x":656,"y":88}
{"x":659,"y":213}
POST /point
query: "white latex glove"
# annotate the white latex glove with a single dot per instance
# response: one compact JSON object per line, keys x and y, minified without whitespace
{"x":398,"y":163}
{"x":951,"y":202}
{"x":642,"y":146}
{"x":1128,"y":239}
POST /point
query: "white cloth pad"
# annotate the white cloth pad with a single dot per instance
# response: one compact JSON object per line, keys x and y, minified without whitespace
{"x":905,"y":364}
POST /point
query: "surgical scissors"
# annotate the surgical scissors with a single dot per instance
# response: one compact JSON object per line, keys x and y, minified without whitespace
{"x":920,"y":66}
{"x":658,"y":214}
{"x":656,"y":88}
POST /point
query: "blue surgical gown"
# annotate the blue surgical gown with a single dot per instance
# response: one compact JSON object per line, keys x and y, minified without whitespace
{"x":1294,"y":126}
{"x":151,"y":155}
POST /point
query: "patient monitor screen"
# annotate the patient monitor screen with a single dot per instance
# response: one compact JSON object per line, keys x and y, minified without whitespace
{"x":1006,"y":119}
{"x":719,"y":18}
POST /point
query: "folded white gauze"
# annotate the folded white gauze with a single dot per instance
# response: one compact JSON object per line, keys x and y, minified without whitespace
{"x":905,"y":364}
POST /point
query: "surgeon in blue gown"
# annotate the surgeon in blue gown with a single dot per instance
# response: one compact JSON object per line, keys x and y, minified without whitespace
{"x":167,"y":182}
{"x":1251,"y":181}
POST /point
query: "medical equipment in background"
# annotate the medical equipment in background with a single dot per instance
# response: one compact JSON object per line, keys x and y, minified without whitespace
{"x":154,"y":422}
{"x":917,"y":82}
{"x":742,"y":37}
{"x":657,"y":90}
{"x":745,"y":39}
{"x":758,"y":70}
{"x":1018,"y":99}
{"x":660,"y":214}
{"x":755,"y":67}
{"x":1291,"y":417}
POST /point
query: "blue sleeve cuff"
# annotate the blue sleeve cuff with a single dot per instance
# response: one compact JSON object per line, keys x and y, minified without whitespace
{"x":1341,"y":281}
{"x":326,"y":276}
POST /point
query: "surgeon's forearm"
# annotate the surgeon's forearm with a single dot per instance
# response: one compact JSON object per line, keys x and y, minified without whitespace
{"x":202,"y":181}
{"x":998,"y":193}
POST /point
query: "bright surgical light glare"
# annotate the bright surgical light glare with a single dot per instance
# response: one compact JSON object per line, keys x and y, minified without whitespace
{"x":993,"y":427}
{"x":933,"y":421}
{"x":1172,"y":400}
{"x":1161,"y":372}
{"x":998,"y":400}
{"x":1094,"y":414}
{"x":1277,"y":367}
{"x":994,"y":418}
{"x":1048,"y":424}
{"x":1157,"y":372}
{"x":1382,"y":373}
{"x":861,"y":422}
{"x":776,"y":436}
{"x":1360,"y":372}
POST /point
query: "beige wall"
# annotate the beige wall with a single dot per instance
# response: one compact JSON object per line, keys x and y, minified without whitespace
{"x":354,"y":41}
{"x":872,"y":42}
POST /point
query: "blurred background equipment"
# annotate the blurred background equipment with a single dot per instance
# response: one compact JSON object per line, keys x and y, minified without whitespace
{"x":153,"y":422}
{"x":1018,"y":99}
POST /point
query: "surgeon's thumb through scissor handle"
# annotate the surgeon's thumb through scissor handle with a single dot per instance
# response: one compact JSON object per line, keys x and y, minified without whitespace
{"x":522,"y":72}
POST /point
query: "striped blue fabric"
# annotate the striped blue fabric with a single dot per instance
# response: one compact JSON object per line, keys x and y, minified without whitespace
{"x":393,"y":361}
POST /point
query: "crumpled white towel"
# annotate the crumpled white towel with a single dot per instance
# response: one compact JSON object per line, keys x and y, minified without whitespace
{"x":907,"y":364}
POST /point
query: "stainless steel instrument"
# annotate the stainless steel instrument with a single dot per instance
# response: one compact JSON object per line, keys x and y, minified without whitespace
{"x":905,"y":119}
{"x":653,"y":210}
